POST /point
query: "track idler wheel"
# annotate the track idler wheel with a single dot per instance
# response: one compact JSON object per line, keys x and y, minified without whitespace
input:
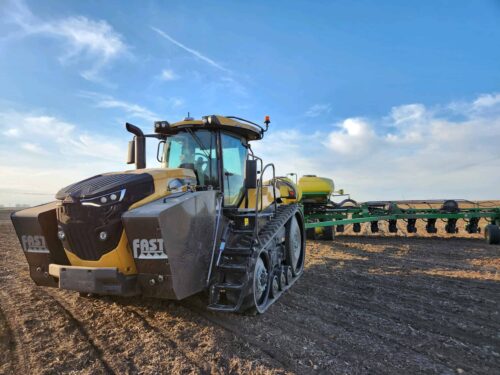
{"x":492,"y":234}
{"x":294,"y":246}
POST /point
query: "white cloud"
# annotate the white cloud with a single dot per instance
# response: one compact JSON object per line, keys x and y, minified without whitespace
{"x":193,"y":52}
{"x":355,"y":137}
{"x":89,"y":42}
{"x":49,"y":154}
{"x":33,"y":148}
{"x":168,"y":75}
{"x":132,"y":109}
{"x":487,"y":100}
{"x":13,"y":132}
{"x":414,"y":152}
{"x":176,"y":103}
{"x":409,"y":113}
{"x":318,"y":110}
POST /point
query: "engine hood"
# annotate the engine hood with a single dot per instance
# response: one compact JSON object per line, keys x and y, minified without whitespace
{"x":106,"y":183}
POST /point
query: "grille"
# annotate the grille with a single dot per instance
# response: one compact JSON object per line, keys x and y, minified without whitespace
{"x":82,"y":226}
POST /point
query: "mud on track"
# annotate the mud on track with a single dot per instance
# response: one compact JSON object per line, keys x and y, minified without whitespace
{"x":364,"y":305}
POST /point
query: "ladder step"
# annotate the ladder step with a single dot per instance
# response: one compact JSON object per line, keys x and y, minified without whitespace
{"x":233,"y":267}
{"x":221,"y":307}
{"x":229,"y":286}
{"x":237,"y":251}
{"x":242,"y":231}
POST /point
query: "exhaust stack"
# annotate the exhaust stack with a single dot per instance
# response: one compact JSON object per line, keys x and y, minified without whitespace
{"x":137,"y":147}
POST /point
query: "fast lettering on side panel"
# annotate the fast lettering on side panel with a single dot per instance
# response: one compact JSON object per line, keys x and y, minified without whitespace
{"x":34,"y":243}
{"x":149,"y":248}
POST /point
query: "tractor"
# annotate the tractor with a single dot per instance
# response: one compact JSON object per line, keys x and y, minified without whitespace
{"x":203,"y":220}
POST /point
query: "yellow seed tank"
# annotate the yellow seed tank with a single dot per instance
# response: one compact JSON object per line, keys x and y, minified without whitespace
{"x":315,"y":188}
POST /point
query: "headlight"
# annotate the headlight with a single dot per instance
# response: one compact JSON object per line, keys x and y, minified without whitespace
{"x":105,"y":200}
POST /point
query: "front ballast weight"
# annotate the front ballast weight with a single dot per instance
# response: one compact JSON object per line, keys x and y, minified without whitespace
{"x":335,"y":218}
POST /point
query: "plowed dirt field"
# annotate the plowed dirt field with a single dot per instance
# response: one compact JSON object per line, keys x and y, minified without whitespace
{"x":375,"y":305}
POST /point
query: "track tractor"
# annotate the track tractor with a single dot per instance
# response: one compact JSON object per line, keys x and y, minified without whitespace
{"x":205,"y":220}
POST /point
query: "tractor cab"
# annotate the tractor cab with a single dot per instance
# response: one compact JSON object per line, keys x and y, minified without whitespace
{"x":215,"y":148}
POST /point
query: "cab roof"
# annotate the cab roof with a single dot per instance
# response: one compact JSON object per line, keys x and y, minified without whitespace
{"x":235,"y":125}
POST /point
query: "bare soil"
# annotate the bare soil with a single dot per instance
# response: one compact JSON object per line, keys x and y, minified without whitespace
{"x":375,"y":304}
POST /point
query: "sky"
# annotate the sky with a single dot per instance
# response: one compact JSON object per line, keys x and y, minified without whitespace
{"x":390,"y":99}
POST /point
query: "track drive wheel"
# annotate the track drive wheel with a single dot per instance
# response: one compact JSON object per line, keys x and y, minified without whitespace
{"x":294,"y":246}
{"x":492,"y":234}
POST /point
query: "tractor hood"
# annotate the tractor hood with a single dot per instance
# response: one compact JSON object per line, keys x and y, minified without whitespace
{"x":100,"y":185}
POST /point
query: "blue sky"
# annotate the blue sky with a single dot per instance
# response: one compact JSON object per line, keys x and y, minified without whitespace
{"x":391,"y":99}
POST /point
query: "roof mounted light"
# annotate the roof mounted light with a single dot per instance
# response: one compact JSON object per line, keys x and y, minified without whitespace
{"x":161,"y":126}
{"x":211,"y":120}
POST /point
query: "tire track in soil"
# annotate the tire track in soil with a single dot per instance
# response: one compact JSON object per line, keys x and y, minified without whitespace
{"x":225,"y":323}
{"x":225,"y":335}
{"x":405,"y":300}
{"x":385,"y":333}
{"x":38,"y":333}
{"x":235,"y":324}
{"x":116,"y":330}
{"x":401,"y":303}
{"x":9,"y":357}
{"x":357,"y":334}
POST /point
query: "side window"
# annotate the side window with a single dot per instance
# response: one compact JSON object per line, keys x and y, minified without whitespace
{"x":234,"y":155}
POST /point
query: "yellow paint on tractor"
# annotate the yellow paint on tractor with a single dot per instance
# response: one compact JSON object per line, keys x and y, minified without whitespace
{"x":121,"y":257}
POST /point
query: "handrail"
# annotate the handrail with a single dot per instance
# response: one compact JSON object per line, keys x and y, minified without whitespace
{"x":259,"y":190}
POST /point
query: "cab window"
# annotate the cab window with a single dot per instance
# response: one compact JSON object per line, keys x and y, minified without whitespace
{"x":194,"y":150}
{"x":234,"y":155}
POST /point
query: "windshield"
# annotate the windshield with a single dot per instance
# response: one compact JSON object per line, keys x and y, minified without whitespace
{"x":194,"y":150}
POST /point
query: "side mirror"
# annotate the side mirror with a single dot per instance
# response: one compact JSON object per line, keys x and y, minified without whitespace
{"x":251,"y":174}
{"x":131,"y":152}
